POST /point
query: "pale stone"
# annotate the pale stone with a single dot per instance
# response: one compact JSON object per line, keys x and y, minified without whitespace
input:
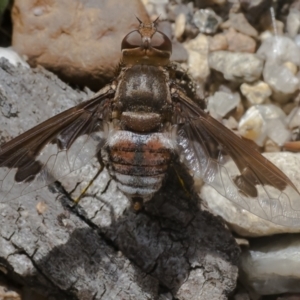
{"x":241,"y":24}
{"x":291,"y":66}
{"x":238,"y":42}
{"x":230,"y":123}
{"x":257,"y":92}
{"x":279,"y":48}
{"x":218,"y":42}
{"x":179,"y":25}
{"x":198,"y":65}
{"x":271,"y":265}
{"x":293,"y":22}
{"x":207,"y":20}
{"x":13,"y":57}
{"x":277,"y":131}
{"x":262,"y":121}
{"x":271,"y":146}
{"x":236,"y":66}
{"x":293,"y":119}
{"x":222,"y":103}
{"x":297,"y":40}
{"x":252,"y":126}
{"x":244,"y":222}
{"x":265,"y":35}
{"x":199,"y":43}
{"x":198,"y":57}
{"x":280,"y":78}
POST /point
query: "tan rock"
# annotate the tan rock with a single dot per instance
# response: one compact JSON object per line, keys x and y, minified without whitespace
{"x":239,"y":22}
{"x":180,"y":25}
{"x":271,"y":146}
{"x":238,"y":42}
{"x":257,"y":92}
{"x":78,"y":40}
{"x":291,"y":66}
{"x":198,"y":57}
{"x":218,"y":42}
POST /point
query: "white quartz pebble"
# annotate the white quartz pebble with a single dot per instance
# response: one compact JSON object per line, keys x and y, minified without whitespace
{"x":236,"y":66}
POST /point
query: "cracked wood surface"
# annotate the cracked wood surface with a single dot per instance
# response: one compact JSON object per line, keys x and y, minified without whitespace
{"x":102,"y":249}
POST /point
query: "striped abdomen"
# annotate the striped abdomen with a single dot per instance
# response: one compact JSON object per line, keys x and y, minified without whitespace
{"x":138,"y":162}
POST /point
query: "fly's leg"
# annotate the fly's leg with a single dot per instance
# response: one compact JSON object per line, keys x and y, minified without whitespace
{"x":181,"y":181}
{"x":76,"y":201}
{"x":137,"y":203}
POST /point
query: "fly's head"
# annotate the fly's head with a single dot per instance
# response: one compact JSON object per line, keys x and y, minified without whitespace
{"x":146,"y":46}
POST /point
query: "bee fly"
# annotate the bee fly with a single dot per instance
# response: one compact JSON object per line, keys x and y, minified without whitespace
{"x":136,"y":126}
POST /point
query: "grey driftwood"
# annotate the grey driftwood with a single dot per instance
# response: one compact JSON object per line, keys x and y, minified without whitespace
{"x":102,"y":249}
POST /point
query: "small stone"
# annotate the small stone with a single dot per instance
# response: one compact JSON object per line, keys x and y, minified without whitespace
{"x":198,"y":57}
{"x":265,"y":35}
{"x":238,"y":42}
{"x":257,"y":92}
{"x":230,"y":123}
{"x":221,"y":103}
{"x":271,"y":146}
{"x":198,"y":65}
{"x":239,"y":219}
{"x":297,"y":40}
{"x":280,"y":48}
{"x":13,"y":57}
{"x":207,"y":20}
{"x":279,"y":26}
{"x":179,"y":26}
{"x":291,"y":66}
{"x":176,"y":9}
{"x":271,"y":265}
{"x":280,"y":78}
{"x":252,"y":126}
{"x":9,"y":292}
{"x":218,"y":42}
{"x":260,"y":121}
{"x":225,"y":25}
{"x":271,"y":112}
{"x":179,"y":53}
{"x":157,"y":8}
{"x":238,"y":67}
{"x":239,"y":112}
{"x":239,"y":22}
{"x":293,"y":22}
{"x":277,"y":131}
{"x":293,"y":119}
{"x":199,"y":43}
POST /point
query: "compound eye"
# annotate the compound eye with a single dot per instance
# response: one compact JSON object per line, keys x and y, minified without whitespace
{"x":161,"y":42}
{"x":132,"y":40}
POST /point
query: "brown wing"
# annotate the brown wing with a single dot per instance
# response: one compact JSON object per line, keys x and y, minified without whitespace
{"x":231,"y":165}
{"x":54,"y":148}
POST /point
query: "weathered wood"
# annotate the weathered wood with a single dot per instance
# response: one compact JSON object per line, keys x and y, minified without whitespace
{"x":102,"y":249}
